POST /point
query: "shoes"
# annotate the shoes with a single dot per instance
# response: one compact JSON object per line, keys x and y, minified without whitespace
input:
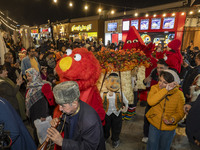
{"x":115,"y":144}
{"x":143,"y":103}
{"x":145,"y":139}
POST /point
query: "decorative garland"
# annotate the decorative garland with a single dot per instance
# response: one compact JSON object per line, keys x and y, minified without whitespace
{"x":121,"y":60}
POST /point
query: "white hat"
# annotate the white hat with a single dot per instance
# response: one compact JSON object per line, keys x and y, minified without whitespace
{"x":175,"y":75}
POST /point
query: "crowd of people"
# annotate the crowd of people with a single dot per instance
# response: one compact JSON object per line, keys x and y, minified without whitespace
{"x":29,"y":83}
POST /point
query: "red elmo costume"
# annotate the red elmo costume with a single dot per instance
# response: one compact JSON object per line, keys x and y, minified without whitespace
{"x":81,"y":66}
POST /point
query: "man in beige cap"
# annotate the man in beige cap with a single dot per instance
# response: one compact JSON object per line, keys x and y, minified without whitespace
{"x":82,"y":125}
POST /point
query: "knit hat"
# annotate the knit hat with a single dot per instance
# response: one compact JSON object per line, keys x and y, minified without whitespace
{"x":175,"y":44}
{"x":175,"y":75}
{"x":66,"y":92}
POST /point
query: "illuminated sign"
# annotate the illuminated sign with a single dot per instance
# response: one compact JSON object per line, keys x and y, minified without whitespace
{"x":34,"y":31}
{"x":81,"y":27}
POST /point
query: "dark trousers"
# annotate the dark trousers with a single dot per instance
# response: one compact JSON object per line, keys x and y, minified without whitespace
{"x":146,"y":122}
{"x":114,"y":123}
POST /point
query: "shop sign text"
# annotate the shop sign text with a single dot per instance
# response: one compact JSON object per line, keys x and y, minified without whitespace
{"x":81,"y":27}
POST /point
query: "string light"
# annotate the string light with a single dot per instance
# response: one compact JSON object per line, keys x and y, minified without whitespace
{"x":136,"y":14}
{"x":1,"y":13}
{"x":191,"y":12}
{"x":112,"y":12}
{"x":7,"y":25}
{"x":182,"y":13}
{"x":70,"y":4}
{"x":99,"y":10}
{"x":173,"y":14}
{"x":86,"y":7}
{"x":4,"y":19}
{"x":147,"y":15}
{"x":199,"y":11}
{"x":55,"y":1}
{"x":164,"y":15}
{"x":154,"y":15}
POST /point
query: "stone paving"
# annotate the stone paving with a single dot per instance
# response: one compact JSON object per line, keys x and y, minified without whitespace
{"x":132,"y":133}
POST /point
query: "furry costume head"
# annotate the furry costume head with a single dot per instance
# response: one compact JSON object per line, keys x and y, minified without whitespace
{"x":79,"y":65}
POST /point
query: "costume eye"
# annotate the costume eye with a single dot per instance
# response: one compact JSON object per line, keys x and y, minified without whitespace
{"x":77,"y":57}
{"x":129,"y":42}
{"x":68,"y":52}
{"x":135,"y":41}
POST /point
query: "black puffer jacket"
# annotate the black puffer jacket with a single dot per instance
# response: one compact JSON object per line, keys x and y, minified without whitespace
{"x":193,"y":122}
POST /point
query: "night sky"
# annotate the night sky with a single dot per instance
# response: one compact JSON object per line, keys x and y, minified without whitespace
{"x":36,"y":12}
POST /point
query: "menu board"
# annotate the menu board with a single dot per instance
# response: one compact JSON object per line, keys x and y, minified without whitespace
{"x":112,"y":26}
{"x":155,"y":23}
{"x":144,"y":24}
{"x":126,"y":25}
{"x":168,"y":23}
{"x":135,"y":23}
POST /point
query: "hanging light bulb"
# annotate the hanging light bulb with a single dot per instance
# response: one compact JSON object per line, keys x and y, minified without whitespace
{"x":164,"y":15}
{"x":55,"y":1}
{"x":99,"y":10}
{"x":154,"y":15}
{"x":147,"y":15}
{"x":70,"y":4}
{"x":112,"y":12}
{"x":136,"y":14}
{"x":86,"y":7}
{"x":182,"y":13}
{"x":173,"y":14}
{"x":199,"y":11}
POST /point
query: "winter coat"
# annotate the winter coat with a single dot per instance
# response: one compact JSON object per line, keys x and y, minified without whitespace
{"x":89,"y":132}
{"x":173,"y":60}
{"x":10,"y":92}
{"x":193,"y":122}
{"x":189,"y":80}
{"x":21,"y":138}
{"x":26,"y":64}
{"x":165,"y":105}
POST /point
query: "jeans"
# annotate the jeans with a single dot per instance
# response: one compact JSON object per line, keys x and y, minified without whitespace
{"x":158,"y":139}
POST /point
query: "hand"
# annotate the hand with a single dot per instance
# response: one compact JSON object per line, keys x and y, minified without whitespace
{"x":185,"y":64}
{"x":197,"y":142}
{"x":188,"y":96}
{"x":187,"y":108}
{"x":55,"y":136}
{"x":19,"y":80}
{"x":54,"y":122}
{"x":124,"y":109}
{"x":16,"y":65}
{"x":170,"y":86}
{"x":147,"y":80}
{"x":168,"y":122}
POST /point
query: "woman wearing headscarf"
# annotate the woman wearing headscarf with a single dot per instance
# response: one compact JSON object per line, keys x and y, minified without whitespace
{"x":166,"y":101}
{"x":36,"y":103}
